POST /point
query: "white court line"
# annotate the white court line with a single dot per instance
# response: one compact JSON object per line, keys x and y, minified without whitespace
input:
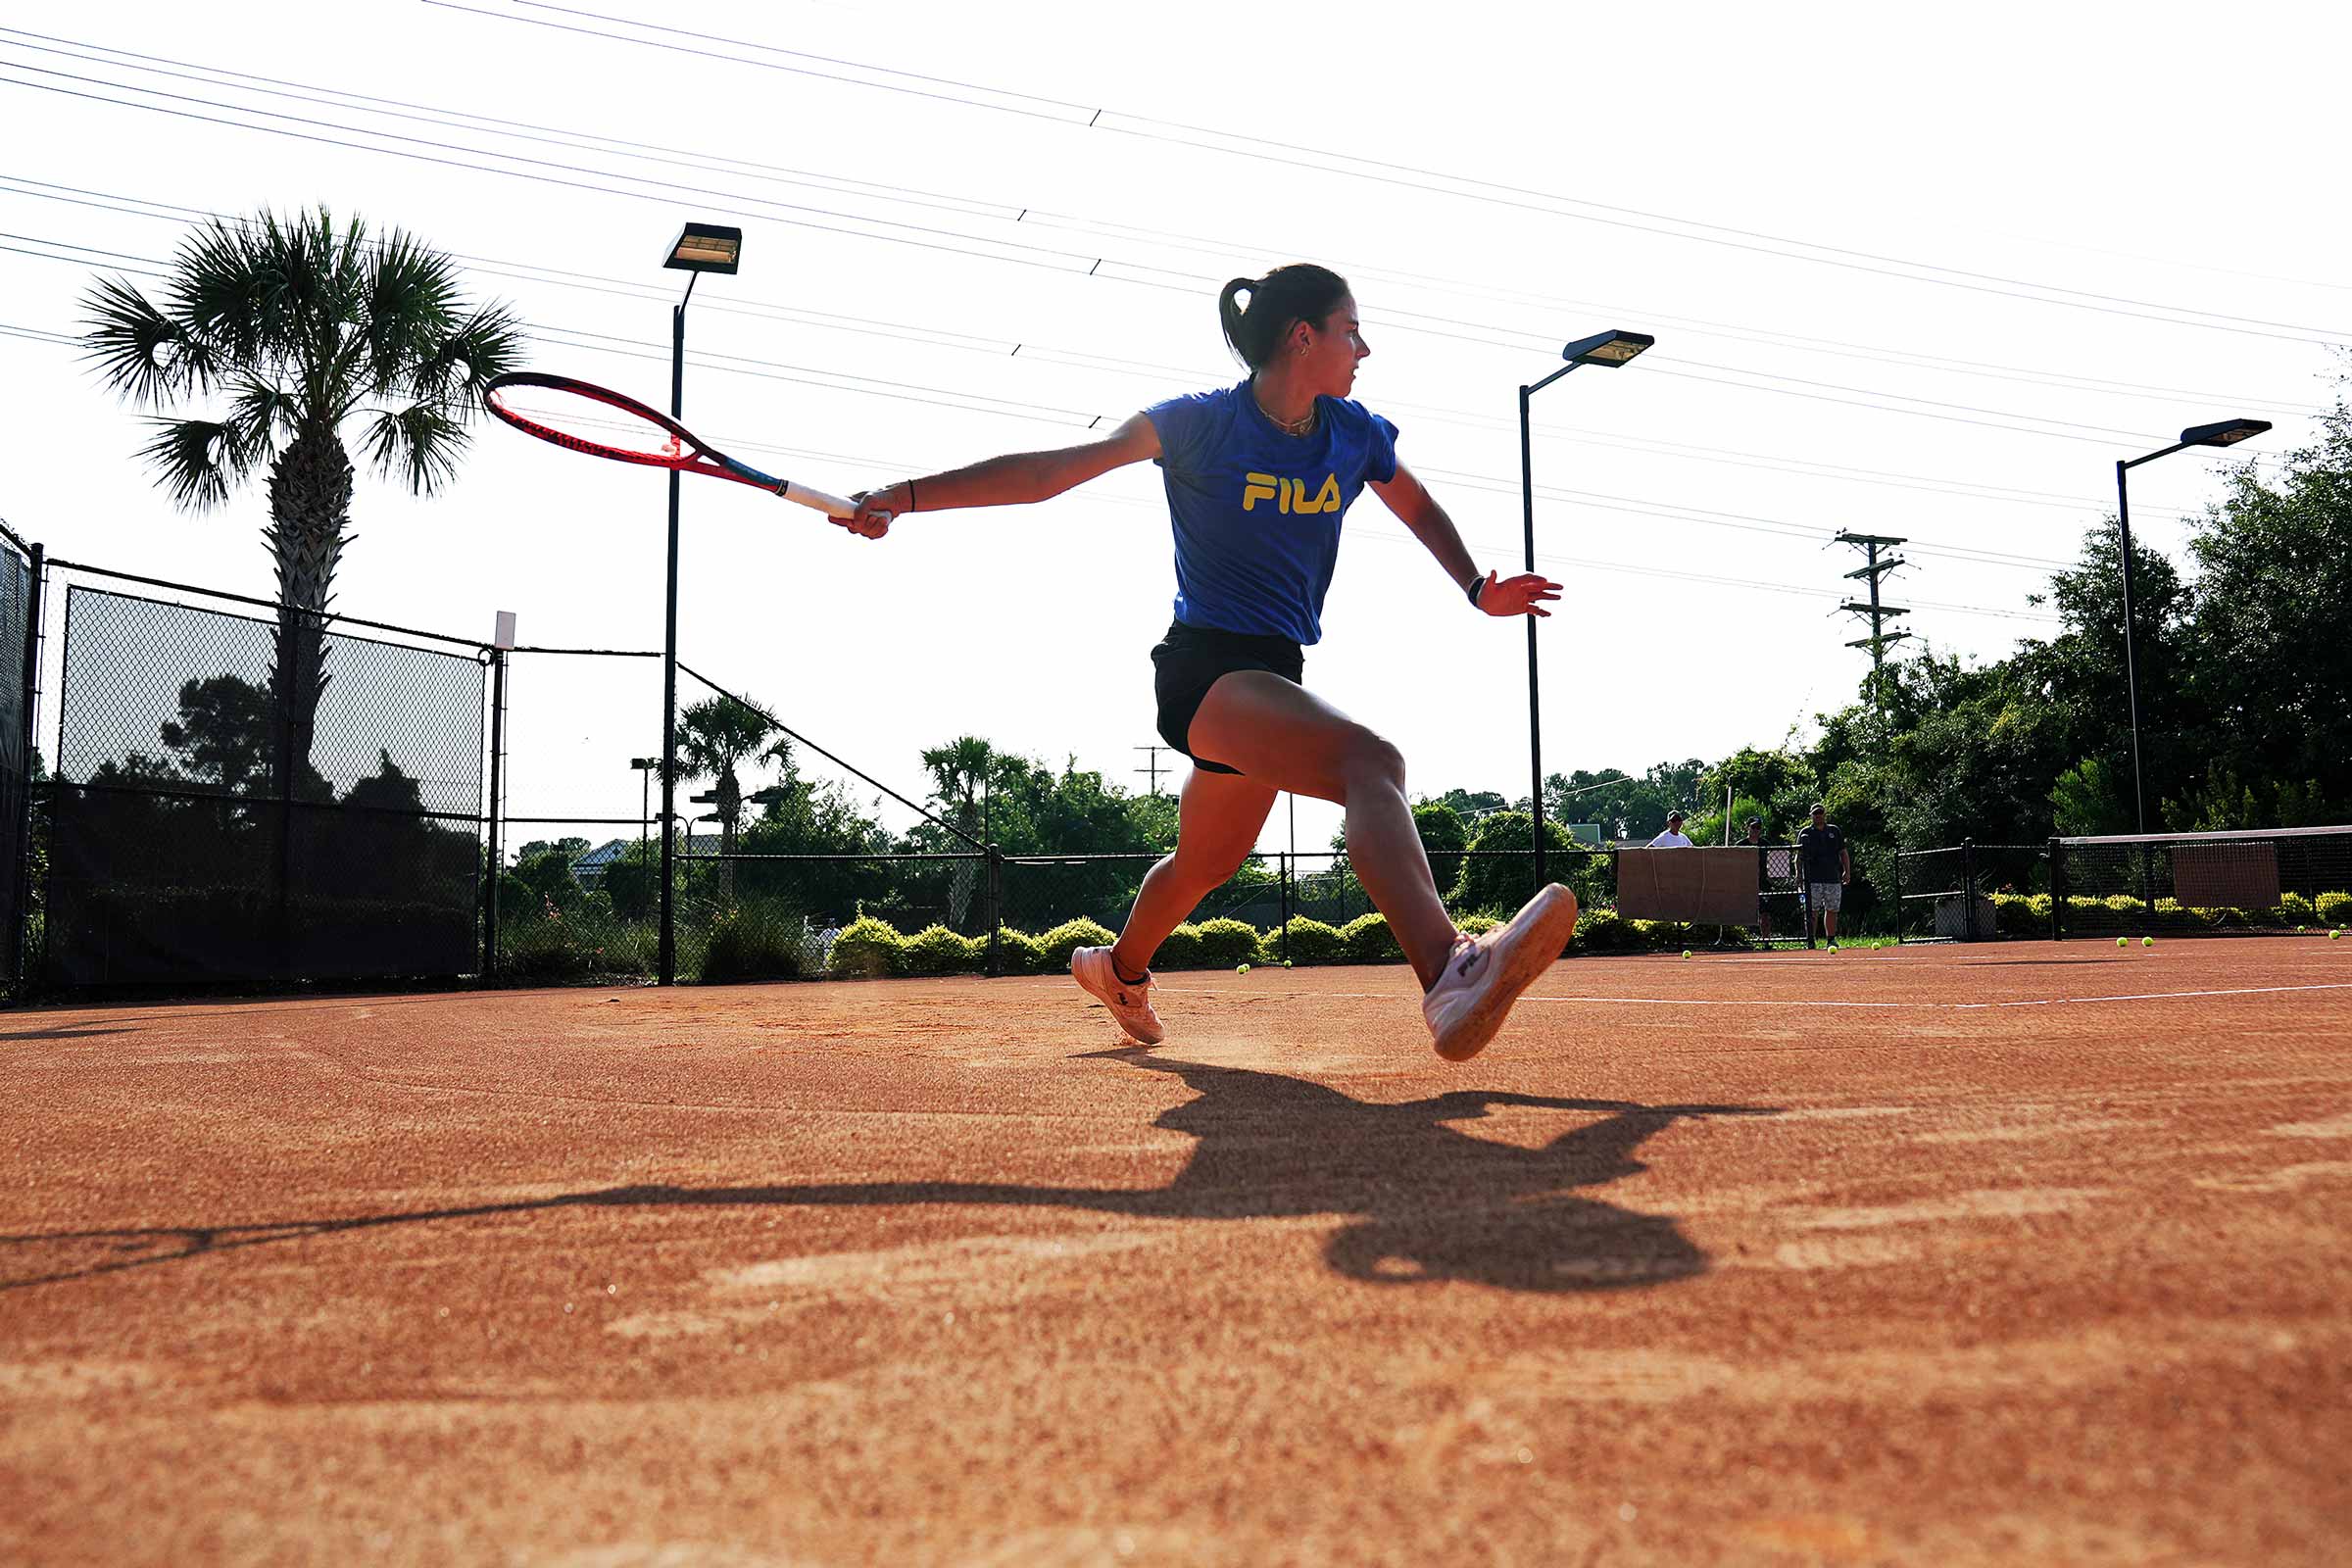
{"x":1766,"y":1002}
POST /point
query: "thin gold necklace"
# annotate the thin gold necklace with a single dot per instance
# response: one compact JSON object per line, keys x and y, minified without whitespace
{"x":1298,"y":426}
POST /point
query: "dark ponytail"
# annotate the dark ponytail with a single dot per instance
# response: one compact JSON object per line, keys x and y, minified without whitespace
{"x":1301,"y":292}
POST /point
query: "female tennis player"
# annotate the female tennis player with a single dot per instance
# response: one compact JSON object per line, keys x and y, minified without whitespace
{"x":1259,"y":477}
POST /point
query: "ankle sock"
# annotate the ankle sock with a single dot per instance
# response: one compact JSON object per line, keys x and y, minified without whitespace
{"x":1125,"y":978}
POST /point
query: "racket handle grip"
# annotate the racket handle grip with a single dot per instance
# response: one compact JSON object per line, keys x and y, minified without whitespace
{"x":824,"y":501}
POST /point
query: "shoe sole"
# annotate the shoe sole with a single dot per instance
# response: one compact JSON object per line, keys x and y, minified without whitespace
{"x":1548,"y":922}
{"x":1132,"y":1034}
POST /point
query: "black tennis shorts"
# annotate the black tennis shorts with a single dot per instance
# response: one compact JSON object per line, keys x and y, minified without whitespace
{"x":1187,"y":663}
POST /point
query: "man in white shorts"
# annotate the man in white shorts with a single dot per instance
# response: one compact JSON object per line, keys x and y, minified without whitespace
{"x":1828,"y":867}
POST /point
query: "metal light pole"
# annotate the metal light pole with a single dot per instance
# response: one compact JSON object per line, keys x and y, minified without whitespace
{"x":700,"y":248}
{"x":2227,"y":433}
{"x":1603,"y":348}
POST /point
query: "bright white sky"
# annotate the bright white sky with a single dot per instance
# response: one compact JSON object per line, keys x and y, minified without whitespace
{"x":2174,"y":161}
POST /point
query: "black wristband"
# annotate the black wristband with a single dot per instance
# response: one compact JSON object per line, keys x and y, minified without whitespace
{"x":911,"y":495}
{"x":1476,"y":584}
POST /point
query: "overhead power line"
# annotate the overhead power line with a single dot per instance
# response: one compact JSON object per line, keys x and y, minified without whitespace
{"x":1005,"y":209}
{"x":1103,"y":117}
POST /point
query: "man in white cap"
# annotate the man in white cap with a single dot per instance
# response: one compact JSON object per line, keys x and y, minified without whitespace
{"x":1672,"y":838}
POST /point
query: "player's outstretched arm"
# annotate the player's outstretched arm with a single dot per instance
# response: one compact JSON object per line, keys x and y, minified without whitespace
{"x":1015,"y":480}
{"x":1418,"y":509}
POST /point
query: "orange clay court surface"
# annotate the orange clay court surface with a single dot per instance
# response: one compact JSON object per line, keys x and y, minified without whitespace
{"x":2017,"y":1253}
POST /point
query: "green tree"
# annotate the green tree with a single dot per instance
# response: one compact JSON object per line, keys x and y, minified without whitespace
{"x":2269,"y":640}
{"x":302,"y":331}
{"x":716,"y":737}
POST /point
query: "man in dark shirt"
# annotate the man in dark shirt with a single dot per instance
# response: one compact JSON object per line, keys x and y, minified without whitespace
{"x":1828,"y":867}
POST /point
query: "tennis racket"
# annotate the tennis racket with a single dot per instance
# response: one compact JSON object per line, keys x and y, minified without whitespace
{"x":602,"y":424}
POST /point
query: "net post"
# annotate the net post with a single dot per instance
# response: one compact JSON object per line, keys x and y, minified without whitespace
{"x":1968,"y":890}
{"x":2057,"y":889}
{"x":996,"y":912}
{"x":37,"y":570}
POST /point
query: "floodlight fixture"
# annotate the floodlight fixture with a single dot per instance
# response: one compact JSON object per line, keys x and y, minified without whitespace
{"x":1607,"y":348}
{"x":2227,"y":433}
{"x":707,"y":248}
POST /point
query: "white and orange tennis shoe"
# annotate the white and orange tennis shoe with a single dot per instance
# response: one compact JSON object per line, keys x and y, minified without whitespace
{"x":1483,"y":975}
{"x":1130,"y":1005}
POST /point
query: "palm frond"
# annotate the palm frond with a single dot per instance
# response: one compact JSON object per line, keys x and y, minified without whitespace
{"x":194,"y":461}
{"x":140,"y":352}
{"x":411,"y":295}
{"x":420,"y":444}
{"x":259,"y":413}
{"x":489,"y":342}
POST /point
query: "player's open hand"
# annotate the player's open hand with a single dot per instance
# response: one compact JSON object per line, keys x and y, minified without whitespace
{"x":1523,"y":595}
{"x":876,"y":511}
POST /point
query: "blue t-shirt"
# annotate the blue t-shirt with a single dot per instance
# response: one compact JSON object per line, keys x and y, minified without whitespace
{"x":1258,"y":510}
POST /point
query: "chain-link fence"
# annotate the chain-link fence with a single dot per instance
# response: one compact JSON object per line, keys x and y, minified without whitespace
{"x":2275,"y":880}
{"x":240,"y":799}
{"x":1969,"y":892}
{"x":19,"y":630}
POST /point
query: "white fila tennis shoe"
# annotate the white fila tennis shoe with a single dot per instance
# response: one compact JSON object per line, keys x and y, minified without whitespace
{"x":1130,"y":1005}
{"x":1483,"y":975}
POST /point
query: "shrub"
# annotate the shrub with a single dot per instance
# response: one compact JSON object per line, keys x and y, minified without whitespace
{"x":936,"y":950}
{"x":1367,"y":939}
{"x":1226,"y":943}
{"x":1477,"y":925}
{"x":2296,"y":909}
{"x":1600,"y":931}
{"x":868,"y":949}
{"x":1016,"y":951}
{"x":2018,"y":915}
{"x":1066,"y":937}
{"x":2334,"y":909}
{"x":753,"y":943}
{"x":1181,"y":951}
{"x":1310,"y":942}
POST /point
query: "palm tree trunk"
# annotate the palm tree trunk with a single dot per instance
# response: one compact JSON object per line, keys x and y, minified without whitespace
{"x":731,"y":806}
{"x":310,"y":515}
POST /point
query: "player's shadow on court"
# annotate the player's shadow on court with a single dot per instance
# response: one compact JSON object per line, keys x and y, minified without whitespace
{"x":1421,"y":1200}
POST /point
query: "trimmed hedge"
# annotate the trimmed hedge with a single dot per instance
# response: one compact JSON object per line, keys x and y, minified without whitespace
{"x":1311,"y":941}
{"x":2029,"y":914}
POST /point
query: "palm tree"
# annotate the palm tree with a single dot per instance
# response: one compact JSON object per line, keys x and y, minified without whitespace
{"x":305,"y":329}
{"x":962,"y":771}
{"x":714,"y":736}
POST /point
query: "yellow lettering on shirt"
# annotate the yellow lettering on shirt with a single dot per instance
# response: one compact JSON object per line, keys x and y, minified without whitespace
{"x":1290,"y":495}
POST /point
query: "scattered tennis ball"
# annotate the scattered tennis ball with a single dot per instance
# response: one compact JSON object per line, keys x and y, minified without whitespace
{"x":1240,"y":969}
{"x":1686,"y":953}
{"x":2147,"y":942}
{"x":2123,"y":942}
{"x":1288,"y":964}
{"x":2335,"y":936}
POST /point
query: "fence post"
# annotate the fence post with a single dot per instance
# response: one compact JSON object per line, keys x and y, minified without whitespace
{"x":995,"y":911}
{"x":494,"y":851}
{"x":1802,"y":882}
{"x":2057,"y":889}
{"x":22,"y":827}
{"x":1968,"y":890}
{"x":1286,"y":904}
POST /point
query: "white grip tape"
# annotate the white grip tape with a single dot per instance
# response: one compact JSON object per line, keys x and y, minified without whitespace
{"x":822,"y":501}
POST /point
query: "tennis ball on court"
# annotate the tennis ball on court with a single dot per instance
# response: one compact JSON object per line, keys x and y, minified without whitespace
{"x":1288,"y":964}
{"x":1686,"y":953}
{"x":2335,"y":936}
{"x":2147,"y":942}
{"x":1240,"y":969}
